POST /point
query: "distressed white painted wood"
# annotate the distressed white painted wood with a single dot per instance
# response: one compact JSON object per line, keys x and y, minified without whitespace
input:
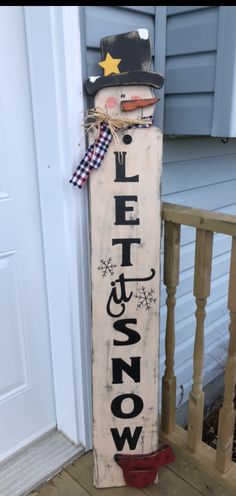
{"x":143,"y":158}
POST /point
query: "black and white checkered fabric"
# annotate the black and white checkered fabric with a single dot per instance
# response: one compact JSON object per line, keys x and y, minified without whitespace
{"x":95,"y":154}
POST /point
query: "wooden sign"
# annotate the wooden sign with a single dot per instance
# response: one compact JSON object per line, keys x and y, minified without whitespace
{"x":125,"y":254}
{"x":125,"y":240}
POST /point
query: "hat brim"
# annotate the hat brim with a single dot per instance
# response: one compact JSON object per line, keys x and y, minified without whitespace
{"x":147,"y":78}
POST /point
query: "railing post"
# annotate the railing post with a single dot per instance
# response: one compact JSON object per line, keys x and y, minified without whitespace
{"x":227,"y":412}
{"x":171,"y":281}
{"x":202,"y":283}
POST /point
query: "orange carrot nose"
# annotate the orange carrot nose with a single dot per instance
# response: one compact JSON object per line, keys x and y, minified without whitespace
{"x":135,"y":104}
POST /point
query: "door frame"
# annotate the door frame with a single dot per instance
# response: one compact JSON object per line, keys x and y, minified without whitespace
{"x":55,"y":72}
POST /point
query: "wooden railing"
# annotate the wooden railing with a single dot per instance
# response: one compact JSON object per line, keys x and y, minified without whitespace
{"x":211,"y":471}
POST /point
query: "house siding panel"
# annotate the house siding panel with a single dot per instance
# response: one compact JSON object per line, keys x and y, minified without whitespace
{"x":179,"y":68}
{"x":186,"y":111}
{"x":185,"y":8}
{"x":192,"y":32}
{"x":191,"y":48}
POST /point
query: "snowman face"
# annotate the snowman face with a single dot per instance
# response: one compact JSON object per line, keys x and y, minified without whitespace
{"x":109,"y":101}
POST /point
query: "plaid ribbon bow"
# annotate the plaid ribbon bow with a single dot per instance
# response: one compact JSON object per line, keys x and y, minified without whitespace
{"x":95,"y":153}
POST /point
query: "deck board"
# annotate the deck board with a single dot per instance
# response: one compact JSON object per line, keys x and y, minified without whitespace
{"x":170,"y":486}
{"x":77,"y":480}
{"x":62,"y":485}
{"x":82,"y":472}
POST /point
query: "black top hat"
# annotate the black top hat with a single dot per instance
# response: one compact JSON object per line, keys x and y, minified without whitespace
{"x":132,"y":52}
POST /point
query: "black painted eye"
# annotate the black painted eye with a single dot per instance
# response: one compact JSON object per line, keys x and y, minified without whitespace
{"x":122,"y":96}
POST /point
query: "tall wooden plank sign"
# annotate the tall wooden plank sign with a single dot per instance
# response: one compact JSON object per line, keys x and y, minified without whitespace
{"x":125,"y":238}
{"x":125,"y":253}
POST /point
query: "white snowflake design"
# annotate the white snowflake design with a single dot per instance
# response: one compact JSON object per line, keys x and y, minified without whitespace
{"x":106,"y":267}
{"x":145,"y":298}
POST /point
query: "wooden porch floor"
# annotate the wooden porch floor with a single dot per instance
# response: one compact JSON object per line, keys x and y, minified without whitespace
{"x":76,"y":480}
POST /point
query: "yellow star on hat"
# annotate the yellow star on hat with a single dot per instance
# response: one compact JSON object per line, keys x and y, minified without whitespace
{"x":110,"y":65}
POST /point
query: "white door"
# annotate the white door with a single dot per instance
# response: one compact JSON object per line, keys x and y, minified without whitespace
{"x":26,"y":388}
